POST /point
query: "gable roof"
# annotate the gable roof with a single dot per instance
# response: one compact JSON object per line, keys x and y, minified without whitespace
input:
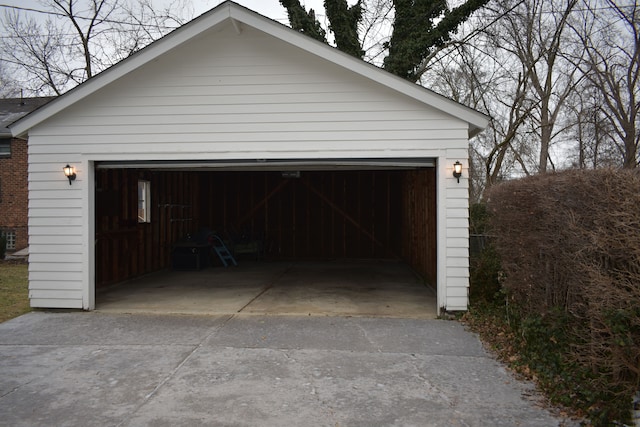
{"x":239,"y":16}
{"x":12,"y":109}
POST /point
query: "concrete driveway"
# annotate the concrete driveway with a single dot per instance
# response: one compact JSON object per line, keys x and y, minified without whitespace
{"x":85,"y":369}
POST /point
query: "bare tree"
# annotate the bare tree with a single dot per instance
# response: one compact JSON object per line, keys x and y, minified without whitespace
{"x":144,"y":22}
{"x":476,"y":77}
{"x":8,"y":88}
{"x":35,"y":55}
{"x":375,"y":30}
{"x":591,"y":130}
{"x":609,"y":31}
{"x":79,"y":38}
{"x":534,"y":34}
{"x":59,"y":52}
{"x":517,"y":71}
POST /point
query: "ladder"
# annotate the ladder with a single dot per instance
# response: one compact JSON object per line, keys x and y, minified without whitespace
{"x":222,"y":251}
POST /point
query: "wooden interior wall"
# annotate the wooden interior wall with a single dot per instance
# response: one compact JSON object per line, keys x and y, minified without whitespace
{"x":320,"y":215}
{"x":419,"y":237}
{"x":126,"y":248}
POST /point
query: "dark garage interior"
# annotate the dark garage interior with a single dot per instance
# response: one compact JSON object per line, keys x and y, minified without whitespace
{"x":264,"y":215}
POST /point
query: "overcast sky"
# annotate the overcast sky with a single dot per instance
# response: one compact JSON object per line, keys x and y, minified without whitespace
{"x":269,"y":8}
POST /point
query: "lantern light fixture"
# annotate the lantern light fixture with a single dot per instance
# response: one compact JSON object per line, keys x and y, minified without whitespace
{"x":70,"y":172}
{"x":457,"y":170}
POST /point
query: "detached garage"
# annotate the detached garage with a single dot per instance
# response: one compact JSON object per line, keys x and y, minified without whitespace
{"x":236,"y":122}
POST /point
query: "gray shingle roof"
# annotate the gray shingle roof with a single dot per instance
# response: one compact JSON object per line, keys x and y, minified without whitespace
{"x":12,"y":109}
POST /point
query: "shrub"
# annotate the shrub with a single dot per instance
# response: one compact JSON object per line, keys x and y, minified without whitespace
{"x":569,"y":246}
{"x":3,"y":246}
{"x":484,"y":281}
{"x":478,"y":218}
{"x":484,"y":261}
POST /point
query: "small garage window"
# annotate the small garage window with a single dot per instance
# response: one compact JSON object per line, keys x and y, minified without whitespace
{"x":144,"y":201}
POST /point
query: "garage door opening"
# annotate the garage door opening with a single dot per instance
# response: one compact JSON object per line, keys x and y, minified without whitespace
{"x":270,"y":218}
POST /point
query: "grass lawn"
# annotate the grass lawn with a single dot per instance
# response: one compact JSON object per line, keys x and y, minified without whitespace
{"x":14,"y":292}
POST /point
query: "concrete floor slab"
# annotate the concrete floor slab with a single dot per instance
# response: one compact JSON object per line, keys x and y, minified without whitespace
{"x":379,"y":289}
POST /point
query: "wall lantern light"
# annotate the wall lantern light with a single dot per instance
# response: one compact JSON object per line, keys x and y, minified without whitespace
{"x":70,"y":172}
{"x":457,"y":170}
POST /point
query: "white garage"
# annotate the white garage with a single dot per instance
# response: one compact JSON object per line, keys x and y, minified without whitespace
{"x":235,"y":121}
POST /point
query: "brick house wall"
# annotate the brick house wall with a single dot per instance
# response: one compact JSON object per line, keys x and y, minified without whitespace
{"x":14,"y":192}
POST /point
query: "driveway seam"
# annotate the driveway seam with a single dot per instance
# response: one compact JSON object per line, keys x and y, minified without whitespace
{"x":268,"y":286}
{"x":175,"y":370}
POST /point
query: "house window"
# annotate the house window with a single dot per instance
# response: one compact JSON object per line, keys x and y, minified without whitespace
{"x":5,"y":148}
{"x":144,"y":201}
{"x":11,"y":239}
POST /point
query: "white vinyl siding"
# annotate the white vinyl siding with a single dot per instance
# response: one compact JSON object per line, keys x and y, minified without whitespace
{"x":55,"y":234}
{"x":456,"y":217}
{"x":247,"y":95}
{"x":230,"y":96}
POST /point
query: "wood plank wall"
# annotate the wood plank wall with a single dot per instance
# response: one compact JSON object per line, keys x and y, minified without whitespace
{"x":126,"y":248}
{"x":419,"y":237}
{"x":320,"y":215}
